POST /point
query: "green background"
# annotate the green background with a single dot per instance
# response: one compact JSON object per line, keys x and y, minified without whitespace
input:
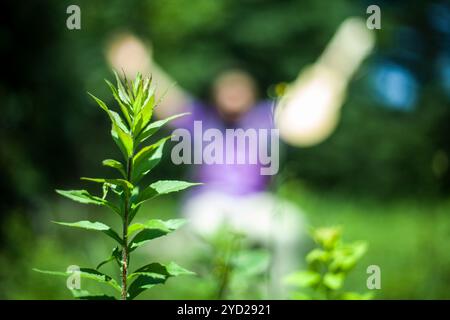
{"x":375,"y":175}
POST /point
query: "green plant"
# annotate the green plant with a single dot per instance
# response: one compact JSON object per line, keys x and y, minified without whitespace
{"x":328,"y":267}
{"x":124,"y":196}
{"x":237,"y":267}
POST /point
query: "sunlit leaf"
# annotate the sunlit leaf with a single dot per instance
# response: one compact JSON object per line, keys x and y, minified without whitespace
{"x":121,"y":135}
{"x":121,"y":90}
{"x":97,"y":226}
{"x":84,"y":196}
{"x":152,"y":274}
{"x":153,"y":127}
{"x":86,"y":273}
{"x":303,"y":279}
{"x":85,"y":295}
{"x":152,"y":229}
{"x":144,"y":116}
{"x":99,"y":102}
{"x":146,"y":159}
{"x":317,"y":255}
{"x":163,"y":187}
{"x":334,"y":281}
{"x":357,"y":296}
{"x":124,"y":108}
{"x":126,"y":185}
{"x":116,"y":165}
{"x":327,"y":237}
{"x":116,"y":255}
{"x":137,"y":83}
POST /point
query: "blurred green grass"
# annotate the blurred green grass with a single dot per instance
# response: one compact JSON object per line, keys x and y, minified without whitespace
{"x":408,"y":238}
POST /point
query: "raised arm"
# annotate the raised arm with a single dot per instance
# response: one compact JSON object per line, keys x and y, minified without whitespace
{"x":309,"y":111}
{"x":128,"y":53}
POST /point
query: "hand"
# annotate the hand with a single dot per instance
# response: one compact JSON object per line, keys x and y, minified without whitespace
{"x":127,"y":53}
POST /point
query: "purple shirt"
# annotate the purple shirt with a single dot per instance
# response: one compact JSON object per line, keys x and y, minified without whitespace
{"x":233,"y":179}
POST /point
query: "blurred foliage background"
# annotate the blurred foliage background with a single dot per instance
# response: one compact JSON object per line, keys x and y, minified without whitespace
{"x":383,"y":175}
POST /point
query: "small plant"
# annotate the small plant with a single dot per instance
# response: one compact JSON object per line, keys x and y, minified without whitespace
{"x":328,"y":267}
{"x":234,"y":266}
{"x":124,"y":196}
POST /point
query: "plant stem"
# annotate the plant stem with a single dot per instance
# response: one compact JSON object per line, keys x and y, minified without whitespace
{"x":228,"y":269}
{"x":125,"y":236}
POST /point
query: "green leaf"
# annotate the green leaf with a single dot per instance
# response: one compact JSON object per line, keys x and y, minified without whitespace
{"x":115,"y":255}
{"x":121,"y":135}
{"x":139,"y":96}
{"x":85,"y":295}
{"x":117,"y":120}
{"x":327,"y":237}
{"x":119,"y":130}
{"x":97,"y":226}
{"x":163,"y":187}
{"x":303,"y":279}
{"x":143,"y":104}
{"x":81,"y":196}
{"x":126,"y":185}
{"x":123,"y":107}
{"x":153,"y":127}
{"x":169,"y":269}
{"x":84,"y":196}
{"x":114,"y":116}
{"x":357,"y":296}
{"x":146,"y":159}
{"x":122,"y":92}
{"x":99,"y":102}
{"x":116,"y":165}
{"x":137,"y":84}
{"x":144,"y":116}
{"x":317,"y":255}
{"x":134,"y":208}
{"x":334,"y":281}
{"x":345,"y":257}
{"x":148,"y":104}
{"x":169,"y":225}
{"x":151,"y":229}
{"x":123,"y":140}
{"x":152,"y":274}
{"x":88,"y":274}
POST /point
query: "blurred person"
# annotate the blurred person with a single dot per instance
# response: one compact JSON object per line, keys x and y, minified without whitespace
{"x":237,"y":194}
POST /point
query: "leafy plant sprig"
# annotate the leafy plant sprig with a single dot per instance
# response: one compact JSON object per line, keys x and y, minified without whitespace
{"x":328,"y":267}
{"x":125,"y":196}
{"x":238,"y":269}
